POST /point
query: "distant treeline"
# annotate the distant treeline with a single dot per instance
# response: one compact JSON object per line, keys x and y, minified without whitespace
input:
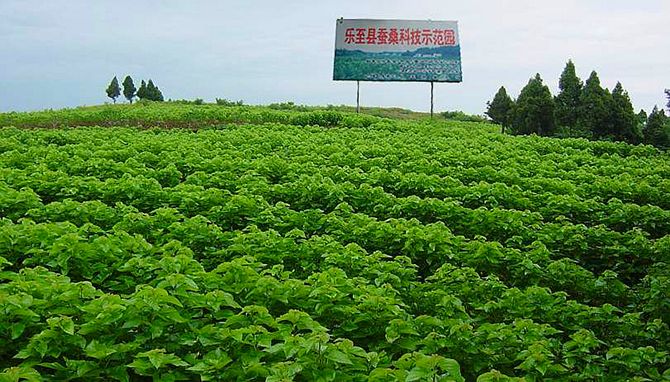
{"x":581,"y":109}
{"x":148,"y":90}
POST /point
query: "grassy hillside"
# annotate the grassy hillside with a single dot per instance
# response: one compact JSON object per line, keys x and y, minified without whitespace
{"x":250,"y":243}
{"x":186,"y":114}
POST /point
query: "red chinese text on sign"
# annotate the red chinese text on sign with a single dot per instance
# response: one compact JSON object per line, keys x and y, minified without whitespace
{"x":395,"y":36}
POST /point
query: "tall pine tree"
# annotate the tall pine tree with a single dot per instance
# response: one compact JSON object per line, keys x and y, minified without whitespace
{"x":534,"y":109}
{"x":595,"y":107}
{"x":623,"y":118}
{"x":153,"y":93}
{"x":142,"y":91}
{"x":129,"y":89}
{"x":641,"y":122}
{"x":113,"y":90}
{"x":568,"y":99}
{"x":656,"y":130}
{"x":500,"y":108}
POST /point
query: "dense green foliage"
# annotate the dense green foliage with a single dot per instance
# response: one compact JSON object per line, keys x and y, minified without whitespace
{"x":272,"y":248}
{"x":500,"y":109}
{"x":178,"y":114}
{"x":458,"y":115}
{"x":153,"y":92}
{"x":657,"y":128}
{"x":142,"y":91}
{"x":533,"y":112}
{"x":595,"y":106}
{"x":567,"y":100}
{"x":579,"y":110}
{"x":149,"y":91}
{"x":129,"y":90}
{"x":113,"y":90}
{"x":624,"y":121}
{"x":225,"y":102}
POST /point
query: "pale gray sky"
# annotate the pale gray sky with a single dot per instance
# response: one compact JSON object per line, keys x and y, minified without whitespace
{"x":62,"y":53}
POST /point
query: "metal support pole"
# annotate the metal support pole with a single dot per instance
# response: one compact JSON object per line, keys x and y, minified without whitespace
{"x":358,"y":96}
{"x":431,"y":99}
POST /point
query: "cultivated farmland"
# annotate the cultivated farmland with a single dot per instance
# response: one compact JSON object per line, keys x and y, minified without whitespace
{"x":184,"y":242}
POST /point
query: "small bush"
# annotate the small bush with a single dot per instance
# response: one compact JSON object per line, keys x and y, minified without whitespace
{"x":458,"y":115}
{"x":225,"y":102}
{"x":288,"y":106}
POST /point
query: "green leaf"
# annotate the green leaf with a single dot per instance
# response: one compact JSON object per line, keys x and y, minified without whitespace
{"x":338,"y":356}
{"x":98,"y":350}
{"x":67,"y":325}
{"x":15,"y":374}
{"x":17,"y":329}
{"x":419,"y":374}
{"x":496,"y":376}
{"x":159,"y":358}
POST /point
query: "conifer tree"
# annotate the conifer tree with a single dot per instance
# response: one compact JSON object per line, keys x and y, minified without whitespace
{"x":159,"y":95}
{"x":667,"y":94}
{"x":142,"y":91}
{"x":500,"y":108}
{"x":129,"y":89}
{"x":623,"y":118}
{"x":641,"y":122}
{"x":642,"y":117}
{"x":595,"y":107}
{"x":534,"y":109}
{"x":568,"y":99}
{"x":153,"y":93}
{"x":113,"y":90}
{"x":656,"y":130}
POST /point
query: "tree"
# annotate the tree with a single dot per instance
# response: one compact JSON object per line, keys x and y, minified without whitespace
{"x":667,"y":94}
{"x":595,"y":107}
{"x":656,"y":130}
{"x":153,"y":93}
{"x":534,"y":109}
{"x":500,"y":108}
{"x":113,"y":90}
{"x":129,"y":89}
{"x":623,"y":118}
{"x":641,"y":123}
{"x":642,"y":117}
{"x":142,"y":91}
{"x":568,"y":99}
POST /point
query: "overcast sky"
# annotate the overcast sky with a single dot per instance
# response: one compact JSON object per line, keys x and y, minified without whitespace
{"x":64,"y":53}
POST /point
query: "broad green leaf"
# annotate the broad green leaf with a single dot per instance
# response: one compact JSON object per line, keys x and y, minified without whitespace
{"x":337,"y":356}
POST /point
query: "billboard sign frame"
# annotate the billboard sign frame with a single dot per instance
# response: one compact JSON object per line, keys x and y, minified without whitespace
{"x":390,"y":50}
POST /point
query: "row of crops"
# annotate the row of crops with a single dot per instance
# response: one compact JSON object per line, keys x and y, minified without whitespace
{"x":392,"y":251}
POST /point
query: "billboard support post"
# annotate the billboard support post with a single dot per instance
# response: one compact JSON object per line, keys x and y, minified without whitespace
{"x":431,"y":99}
{"x":358,"y":96}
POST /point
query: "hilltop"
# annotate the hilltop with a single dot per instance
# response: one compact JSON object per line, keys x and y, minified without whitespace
{"x":198,"y":114}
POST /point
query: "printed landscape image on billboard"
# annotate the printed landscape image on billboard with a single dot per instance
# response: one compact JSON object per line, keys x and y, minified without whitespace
{"x":397,"y":50}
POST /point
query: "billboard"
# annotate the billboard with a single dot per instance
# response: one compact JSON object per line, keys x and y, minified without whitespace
{"x":397,"y":50}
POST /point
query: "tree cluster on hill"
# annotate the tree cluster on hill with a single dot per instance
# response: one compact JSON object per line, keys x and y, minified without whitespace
{"x":148,"y":90}
{"x":581,"y":109}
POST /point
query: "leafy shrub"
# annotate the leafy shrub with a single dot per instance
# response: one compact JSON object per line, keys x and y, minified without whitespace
{"x":225,"y":102}
{"x":461,"y":116}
